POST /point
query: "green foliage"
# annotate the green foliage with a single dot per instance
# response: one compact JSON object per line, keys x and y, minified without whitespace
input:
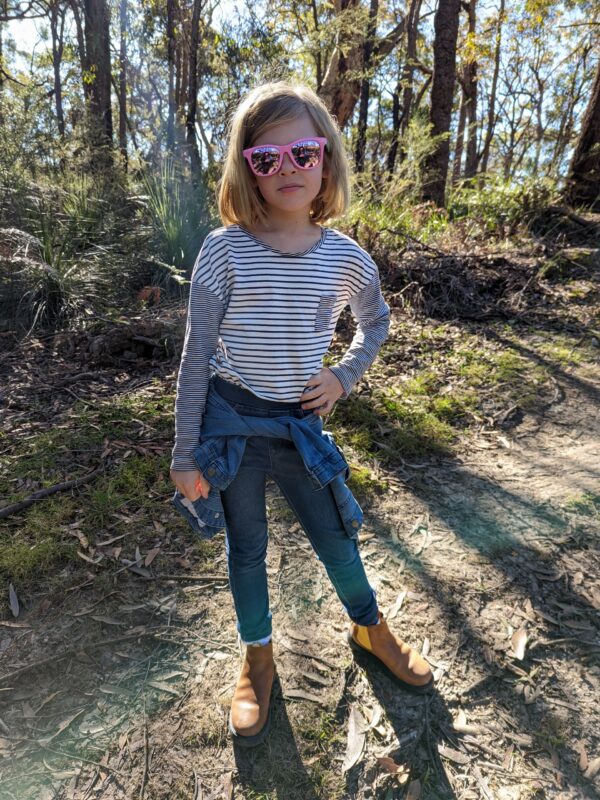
{"x":381,"y":201}
{"x":499,"y":206}
{"x":179,"y":219}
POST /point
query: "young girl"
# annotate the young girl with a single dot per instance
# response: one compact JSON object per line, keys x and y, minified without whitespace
{"x":266,"y":292}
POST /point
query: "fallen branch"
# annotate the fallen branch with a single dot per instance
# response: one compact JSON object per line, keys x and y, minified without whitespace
{"x":58,"y":487}
{"x":74,"y":650}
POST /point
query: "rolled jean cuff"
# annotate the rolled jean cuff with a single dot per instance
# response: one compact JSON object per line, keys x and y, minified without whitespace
{"x":264,"y":641}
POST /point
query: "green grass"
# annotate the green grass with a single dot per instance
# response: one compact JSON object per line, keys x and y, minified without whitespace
{"x":33,"y":551}
{"x":587,"y":503}
{"x":453,"y":388}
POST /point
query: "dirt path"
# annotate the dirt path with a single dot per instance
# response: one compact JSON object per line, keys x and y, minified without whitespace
{"x":470,"y":557}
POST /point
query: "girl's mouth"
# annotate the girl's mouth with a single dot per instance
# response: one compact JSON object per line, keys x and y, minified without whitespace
{"x":290,"y":188}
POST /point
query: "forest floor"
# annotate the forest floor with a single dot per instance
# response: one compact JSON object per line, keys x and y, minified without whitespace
{"x":118,"y":647}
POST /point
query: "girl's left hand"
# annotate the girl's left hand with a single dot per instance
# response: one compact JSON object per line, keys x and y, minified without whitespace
{"x":321,"y":392}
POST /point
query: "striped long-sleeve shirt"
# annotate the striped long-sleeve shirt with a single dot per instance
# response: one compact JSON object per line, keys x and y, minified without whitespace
{"x":264,"y":319}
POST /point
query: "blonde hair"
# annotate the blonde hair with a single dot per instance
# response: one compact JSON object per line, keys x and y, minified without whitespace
{"x":239,"y":201}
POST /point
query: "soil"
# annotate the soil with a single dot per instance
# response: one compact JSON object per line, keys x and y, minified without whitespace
{"x":119,"y":687}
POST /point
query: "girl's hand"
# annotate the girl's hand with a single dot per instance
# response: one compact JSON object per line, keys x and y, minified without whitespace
{"x":322,"y":391}
{"x":190,"y":483}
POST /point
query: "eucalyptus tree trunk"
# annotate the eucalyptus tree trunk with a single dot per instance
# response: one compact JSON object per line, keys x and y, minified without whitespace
{"x":471,"y":101}
{"x":98,"y":78}
{"x":195,"y":164}
{"x":435,"y":166}
{"x":361,"y":135}
{"x":57,"y":16}
{"x":171,"y":68}
{"x":583,"y":179}
{"x":491,"y":120}
{"x":460,"y":136}
{"x":405,"y":85}
{"x":123,"y":81}
{"x":340,"y":90}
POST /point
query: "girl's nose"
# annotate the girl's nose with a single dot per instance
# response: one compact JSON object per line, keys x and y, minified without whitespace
{"x":286,"y":163}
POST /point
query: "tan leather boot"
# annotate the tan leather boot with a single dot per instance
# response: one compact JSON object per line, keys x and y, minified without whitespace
{"x":250,"y":715}
{"x":402,"y":663}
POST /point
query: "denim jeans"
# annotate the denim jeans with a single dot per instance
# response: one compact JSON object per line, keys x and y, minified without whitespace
{"x":246,"y":527}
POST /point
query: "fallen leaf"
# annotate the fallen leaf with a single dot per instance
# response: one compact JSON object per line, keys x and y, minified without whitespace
{"x":13,"y":600}
{"x":107,"y":620}
{"x":62,"y":727}
{"x":151,"y":555}
{"x":453,"y":755}
{"x":300,"y":694}
{"x":374,"y":715}
{"x":461,"y":724}
{"x":518,"y":641}
{"x":396,"y":607}
{"x":164,"y":687}
{"x":399,"y":770}
{"x":582,"y":762}
{"x":592,"y":769}
{"x":313,"y":676}
{"x":300,"y":637}
{"x":356,"y":739}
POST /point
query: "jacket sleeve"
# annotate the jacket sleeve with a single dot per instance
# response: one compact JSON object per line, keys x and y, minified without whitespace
{"x":372,"y":315}
{"x":206,"y":310}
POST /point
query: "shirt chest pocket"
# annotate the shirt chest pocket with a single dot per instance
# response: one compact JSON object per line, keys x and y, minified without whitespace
{"x":324,"y":312}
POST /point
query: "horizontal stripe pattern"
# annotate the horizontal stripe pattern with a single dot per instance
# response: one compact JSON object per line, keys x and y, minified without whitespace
{"x":264,"y":319}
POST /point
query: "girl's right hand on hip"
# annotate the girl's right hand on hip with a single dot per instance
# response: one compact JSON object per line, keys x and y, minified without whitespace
{"x":190,"y":483}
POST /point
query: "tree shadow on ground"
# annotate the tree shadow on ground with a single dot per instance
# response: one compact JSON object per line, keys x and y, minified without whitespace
{"x":494,"y":538}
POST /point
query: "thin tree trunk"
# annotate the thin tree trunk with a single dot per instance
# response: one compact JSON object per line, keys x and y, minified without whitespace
{"x":171,"y":68}
{"x":391,"y":156}
{"x":460,"y":136}
{"x":318,"y":54}
{"x":2,"y":79}
{"x":491,"y":122}
{"x":363,"y":113}
{"x":195,"y":164}
{"x":471,"y":98}
{"x":435,"y":166}
{"x":57,"y":51}
{"x":406,"y":85}
{"x":123,"y":81}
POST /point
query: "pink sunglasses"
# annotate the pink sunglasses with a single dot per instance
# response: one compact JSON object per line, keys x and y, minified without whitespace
{"x":266,"y":159}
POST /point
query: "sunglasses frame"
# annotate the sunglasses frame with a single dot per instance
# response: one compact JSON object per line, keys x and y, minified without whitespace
{"x":283,"y":149}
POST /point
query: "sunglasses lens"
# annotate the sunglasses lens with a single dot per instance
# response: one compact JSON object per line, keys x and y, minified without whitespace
{"x":265,"y":160}
{"x":307,"y":153}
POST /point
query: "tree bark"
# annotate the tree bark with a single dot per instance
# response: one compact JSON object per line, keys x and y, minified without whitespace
{"x":491,"y":121}
{"x":435,"y":166}
{"x":471,"y":101}
{"x":195,"y":165}
{"x":401,"y":116}
{"x":123,"y":81}
{"x":583,"y":179}
{"x":97,"y":56}
{"x":171,"y":68}
{"x":460,"y":136}
{"x":55,"y":12}
{"x":363,"y":112}
{"x":2,"y":79}
{"x":338,"y":91}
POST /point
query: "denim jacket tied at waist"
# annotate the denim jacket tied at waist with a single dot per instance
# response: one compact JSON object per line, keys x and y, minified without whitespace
{"x":219,"y":455}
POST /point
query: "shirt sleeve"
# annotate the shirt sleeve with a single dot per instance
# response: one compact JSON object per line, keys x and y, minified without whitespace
{"x":372,"y":315}
{"x":206,"y":310}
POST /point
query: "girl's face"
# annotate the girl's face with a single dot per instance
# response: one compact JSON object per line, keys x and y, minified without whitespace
{"x":291,"y":203}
